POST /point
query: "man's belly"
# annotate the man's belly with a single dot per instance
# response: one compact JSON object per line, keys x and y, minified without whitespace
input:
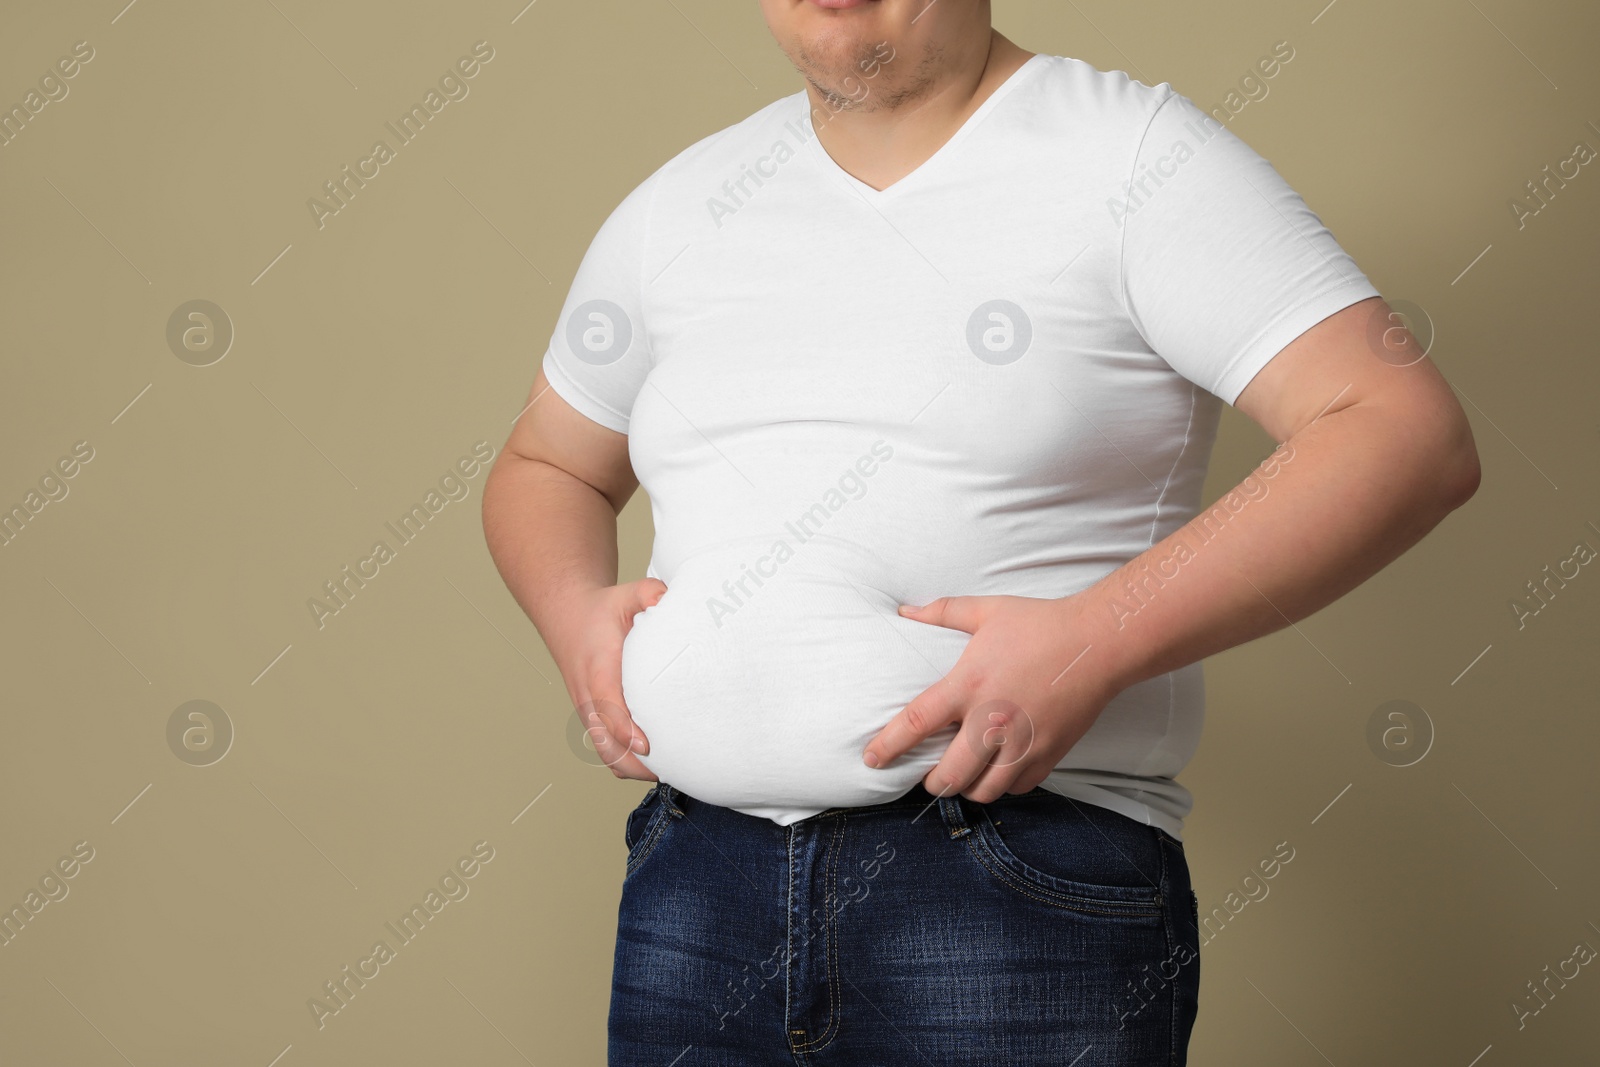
{"x":760,"y":682}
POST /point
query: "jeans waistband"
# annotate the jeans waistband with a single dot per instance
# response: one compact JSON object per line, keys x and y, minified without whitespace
{"x":953,"y":810}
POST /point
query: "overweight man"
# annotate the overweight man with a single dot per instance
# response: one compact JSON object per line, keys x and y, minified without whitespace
{"x":921,"y":367}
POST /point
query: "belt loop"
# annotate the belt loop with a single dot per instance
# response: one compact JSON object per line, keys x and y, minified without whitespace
{"x":955,"y":819}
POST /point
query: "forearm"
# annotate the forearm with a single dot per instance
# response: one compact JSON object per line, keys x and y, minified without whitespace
{"x":1336,"y":503}
{"x":552,"y":536}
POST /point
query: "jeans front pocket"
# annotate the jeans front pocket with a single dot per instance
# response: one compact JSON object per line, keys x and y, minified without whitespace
{"x":1070,"y":855}
{"x":638,"y":817}
{"x":645,"y":827}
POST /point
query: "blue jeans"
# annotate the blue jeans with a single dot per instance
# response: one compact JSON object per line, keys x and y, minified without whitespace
{"x":1032,"y":930}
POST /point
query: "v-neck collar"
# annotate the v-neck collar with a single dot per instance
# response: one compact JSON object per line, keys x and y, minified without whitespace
{"x":973,"y":120}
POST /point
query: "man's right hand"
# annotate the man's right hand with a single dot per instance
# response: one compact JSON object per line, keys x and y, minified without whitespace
{"x":591,"y":665}
{"x":550,"y":508}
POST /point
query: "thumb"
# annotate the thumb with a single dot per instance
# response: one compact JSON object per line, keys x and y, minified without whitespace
{"x":643,"y":594}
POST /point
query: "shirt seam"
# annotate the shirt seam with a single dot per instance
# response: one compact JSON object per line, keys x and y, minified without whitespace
{"x":644,"y":257}
{"x":1155,"y":521}
{"x":1122,"y":240}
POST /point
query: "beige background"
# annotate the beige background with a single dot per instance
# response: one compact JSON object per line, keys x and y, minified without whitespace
{"x":369,"y":755}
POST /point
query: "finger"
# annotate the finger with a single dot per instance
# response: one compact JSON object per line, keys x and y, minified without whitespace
{"x":966,"y":758}
{"x":954,"y":612}
{"x":999,"y":735}
{"x":1012,"y":729}
{"x":1008,"y":731}
{"x":618,"y":723}
{"x":606,"y":681}
{"x":931,"y":711}
{"x":630,"y":767}
{"x":1032,"y":779}
{"x":645,"y":593}
{"x":1002,"y":777}
{"x":612,"y":752}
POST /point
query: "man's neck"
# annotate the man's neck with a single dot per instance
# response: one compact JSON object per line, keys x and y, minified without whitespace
{"x":881,"y":145}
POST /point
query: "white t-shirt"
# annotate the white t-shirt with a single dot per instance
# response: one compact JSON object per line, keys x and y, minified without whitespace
{"x":1000,"y":375}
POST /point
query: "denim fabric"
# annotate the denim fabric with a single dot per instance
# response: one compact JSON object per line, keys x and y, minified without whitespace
{"x":1033,"y":930}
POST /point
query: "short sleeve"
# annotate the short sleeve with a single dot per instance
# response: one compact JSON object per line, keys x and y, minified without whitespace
{"x":599,"y":354}
{"x":1223,"y":264}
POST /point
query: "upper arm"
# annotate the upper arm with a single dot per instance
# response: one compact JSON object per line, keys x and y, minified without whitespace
{"x":1363,"y":354}
{"x":1236,"y":283}
{"x":552,"y":431}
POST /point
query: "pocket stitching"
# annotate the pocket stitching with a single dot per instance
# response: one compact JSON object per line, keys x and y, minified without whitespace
{"x":1027,"y":889}
{"x":1010,"y":869}
{"x":627,"y":825}
{"x":653,"y":831}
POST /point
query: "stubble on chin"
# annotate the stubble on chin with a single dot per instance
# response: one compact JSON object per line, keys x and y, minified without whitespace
{"x":844,"y":85}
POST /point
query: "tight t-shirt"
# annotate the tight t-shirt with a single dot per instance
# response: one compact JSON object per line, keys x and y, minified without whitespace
{"x":1000,"y":375}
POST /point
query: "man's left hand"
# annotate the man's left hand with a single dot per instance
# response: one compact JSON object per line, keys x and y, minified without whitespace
{"x":1028,"y":685}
